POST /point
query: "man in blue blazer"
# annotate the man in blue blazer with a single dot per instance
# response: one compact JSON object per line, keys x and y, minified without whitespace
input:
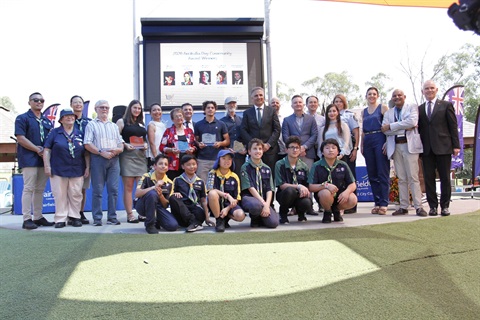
{"x":303,"y":126}
{"x":438,"y":129}
{"x":261,"y":121}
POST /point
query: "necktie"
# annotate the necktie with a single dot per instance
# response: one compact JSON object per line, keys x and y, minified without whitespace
{"x":188,"y":124}
{"x":259,"y":116}
{"x":429,"y":109}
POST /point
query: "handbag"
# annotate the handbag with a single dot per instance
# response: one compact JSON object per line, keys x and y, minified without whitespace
{"x":414,"y":141}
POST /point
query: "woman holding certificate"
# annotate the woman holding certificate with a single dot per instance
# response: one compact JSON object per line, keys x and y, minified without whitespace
{"x":133,"y":162}
{"x":176,"y":142}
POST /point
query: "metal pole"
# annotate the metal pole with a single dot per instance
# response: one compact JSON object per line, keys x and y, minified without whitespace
{"x":136,"y":57}
{"x":270,"y":84}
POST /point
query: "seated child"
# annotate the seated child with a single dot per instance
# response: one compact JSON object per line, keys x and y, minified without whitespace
{"x":153,"y":191}
{"x":332,"y":182}
{"x":188,"y":191}
{"x":291,"y":175}
{"x":257,"y":188}
{"x":223,"y":187}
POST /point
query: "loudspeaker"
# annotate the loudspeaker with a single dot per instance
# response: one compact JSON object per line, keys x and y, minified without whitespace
{"x":118,"y":112}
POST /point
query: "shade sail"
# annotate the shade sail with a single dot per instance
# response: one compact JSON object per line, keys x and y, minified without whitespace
{"x":403,"y":3}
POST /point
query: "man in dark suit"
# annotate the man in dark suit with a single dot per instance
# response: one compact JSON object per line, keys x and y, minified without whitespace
{"x":438,"y":129}
{"x":261,"y":121}
{"x":303,"y":126}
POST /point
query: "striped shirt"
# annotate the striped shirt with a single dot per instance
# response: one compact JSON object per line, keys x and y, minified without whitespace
{"x":103,"y":135}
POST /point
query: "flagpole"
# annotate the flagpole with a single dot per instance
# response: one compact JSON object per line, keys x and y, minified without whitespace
{"x":136,"y":56}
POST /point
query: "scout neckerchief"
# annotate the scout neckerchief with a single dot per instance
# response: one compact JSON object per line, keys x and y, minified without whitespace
{"x":79,"y":122}
{"x":42,"y":131}
{"x":258,"y":177}
{"x":191,"y":192}
{"x":222,"y":179}
{"x":71,"y":145}
{"x":326,"y":166}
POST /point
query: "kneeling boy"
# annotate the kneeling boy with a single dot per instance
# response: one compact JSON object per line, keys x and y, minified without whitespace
{"x":257,"y":188}
{"x":332,"y":182}
{"x":188,"y":191}
{"x":153,"y":191}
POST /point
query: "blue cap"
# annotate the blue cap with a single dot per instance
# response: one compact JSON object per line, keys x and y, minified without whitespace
{"x":66,"y":112}
{"x":222,"y":153}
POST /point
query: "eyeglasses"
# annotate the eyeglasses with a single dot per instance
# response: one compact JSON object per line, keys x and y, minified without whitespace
{"x":36,"y":100}
{"x":103,"y":107}
{"x":294,"y":148}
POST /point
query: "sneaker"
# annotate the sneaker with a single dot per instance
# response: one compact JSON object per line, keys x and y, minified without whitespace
{"x":97,"y":223}
{"x":400,"y":212}
{"x":313,"y":213}
{"x":141,"y":218}
{"x":43,"y":222}
{"x":151,"y":229}
{"x":113,"y":221}
{"x":220,"y":225}
{"x":433,"y":212}
{"x":421,"y":212}
{"x":29,"y":225}
{"x":302,"y":218}
{"x":284,"y":220}
{"x":194,"y":227}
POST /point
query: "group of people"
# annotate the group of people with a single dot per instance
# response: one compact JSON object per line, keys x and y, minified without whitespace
{"x":229,"y":167}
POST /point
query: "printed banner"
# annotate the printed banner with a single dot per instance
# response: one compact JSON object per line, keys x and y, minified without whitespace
{"x":455,"y":96}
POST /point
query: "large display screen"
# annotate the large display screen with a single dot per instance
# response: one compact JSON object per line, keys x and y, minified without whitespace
{"x":203,"y":71}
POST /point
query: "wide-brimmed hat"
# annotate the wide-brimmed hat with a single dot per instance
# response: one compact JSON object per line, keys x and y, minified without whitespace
{"x":222,"y":153}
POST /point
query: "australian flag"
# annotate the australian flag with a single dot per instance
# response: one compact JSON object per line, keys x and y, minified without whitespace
{"x":455,"y":95}
{"x":51,"y":113}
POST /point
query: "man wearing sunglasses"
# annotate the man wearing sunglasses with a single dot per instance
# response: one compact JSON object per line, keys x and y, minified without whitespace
{"x":31,"y":130}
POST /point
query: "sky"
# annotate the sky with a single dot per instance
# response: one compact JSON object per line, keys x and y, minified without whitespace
{"x":63,"y":48}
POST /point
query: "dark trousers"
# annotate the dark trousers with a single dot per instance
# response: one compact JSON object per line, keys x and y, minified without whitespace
{"x":442,"y":164}
{"x":239,"y":160}
{"x":186,"y":214}
{"x":270,"y":160}
{"x":149,"y":206}
{"x":254,"y":207}
{"x":290,"y":198}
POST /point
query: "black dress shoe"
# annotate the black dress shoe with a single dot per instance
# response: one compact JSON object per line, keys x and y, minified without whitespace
{"x":77,"y":223}
{"x":421,"y":212}
{"x":433,"y":212}
{"x":445,"y":212}
{"x":43,"y":222}
{"x":60,"y":225}
{"x":83,"y":219}
{"x":400,"y":212}
{"x":151,"y":229}
{"x":29,"y":225}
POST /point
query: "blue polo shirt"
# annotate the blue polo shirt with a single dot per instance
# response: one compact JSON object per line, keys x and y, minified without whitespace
{"x":233,"y":128}
{"x":61,"y":160}
{"x":27,"y":125}
{"x":217,"y":128}
{"x":81,"y":124}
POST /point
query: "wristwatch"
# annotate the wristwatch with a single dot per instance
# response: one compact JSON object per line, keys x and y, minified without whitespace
{"x":100,"y":151}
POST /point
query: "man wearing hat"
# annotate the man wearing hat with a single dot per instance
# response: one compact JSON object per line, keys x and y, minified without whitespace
{"x":223,"y":187}
{"x":66,"y":165}
{"x":233,"y":123}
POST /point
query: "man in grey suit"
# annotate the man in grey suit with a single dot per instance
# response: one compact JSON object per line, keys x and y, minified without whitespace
{"x":439,"y":132}
{"x":303,"y":126}
{"x":261,"y":121}
{"x":399,"y":125}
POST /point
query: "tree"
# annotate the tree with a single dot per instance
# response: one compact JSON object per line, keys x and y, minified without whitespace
{"x":332,"y":83}
{"x":283,"y":91}
{"x":378,"y":81}
{"x":7,"y":103}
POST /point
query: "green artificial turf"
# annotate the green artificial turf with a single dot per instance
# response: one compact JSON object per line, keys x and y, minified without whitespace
{"x":428,"y":269}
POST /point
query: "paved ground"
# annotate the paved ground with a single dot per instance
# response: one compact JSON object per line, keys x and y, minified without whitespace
{"x":363,"y":217}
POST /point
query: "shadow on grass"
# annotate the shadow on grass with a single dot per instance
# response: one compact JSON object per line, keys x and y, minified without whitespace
{"x":427,"y":271}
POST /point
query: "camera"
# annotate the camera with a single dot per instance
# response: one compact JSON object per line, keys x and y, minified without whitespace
{"x":466,"y":16}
